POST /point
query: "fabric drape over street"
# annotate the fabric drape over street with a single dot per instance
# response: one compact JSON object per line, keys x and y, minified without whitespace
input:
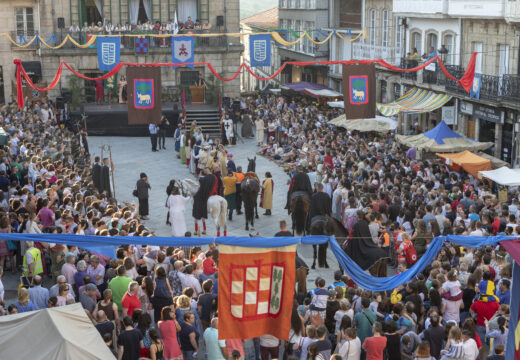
{"x":415,"y":101}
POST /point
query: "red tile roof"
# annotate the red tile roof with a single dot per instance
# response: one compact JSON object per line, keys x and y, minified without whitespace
{"x":264,"y":20}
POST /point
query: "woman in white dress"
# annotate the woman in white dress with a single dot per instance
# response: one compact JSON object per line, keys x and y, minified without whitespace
{"x":176,"y":203}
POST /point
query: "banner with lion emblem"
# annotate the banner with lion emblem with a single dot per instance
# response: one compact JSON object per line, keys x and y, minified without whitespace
{"x":255,"y":291}
{"x":359,"y":84}
{"x":144,"y":95}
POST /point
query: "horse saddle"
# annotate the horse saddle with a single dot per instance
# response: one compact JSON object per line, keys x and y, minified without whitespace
{"x":318,"y":219}
{"x":295,"y":194}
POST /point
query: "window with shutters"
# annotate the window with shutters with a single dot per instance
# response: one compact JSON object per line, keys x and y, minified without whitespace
{"x":24,"y":21}
{"x":384,"y":38}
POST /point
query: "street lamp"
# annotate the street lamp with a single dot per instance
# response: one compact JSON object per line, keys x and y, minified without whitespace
{"x":444,"y":53}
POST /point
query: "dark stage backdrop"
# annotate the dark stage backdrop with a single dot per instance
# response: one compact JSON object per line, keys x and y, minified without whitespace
{"x":144,"y":94}
{"x":359,"y":91}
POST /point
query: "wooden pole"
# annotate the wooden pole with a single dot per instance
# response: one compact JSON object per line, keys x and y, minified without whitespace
{"x":112,"y":170}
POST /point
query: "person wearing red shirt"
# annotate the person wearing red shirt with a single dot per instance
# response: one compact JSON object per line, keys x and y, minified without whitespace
{"x":375,"y":345}
{"x":208,"y":265}
{"x":485,"y":311}
{"x":130,"y":300}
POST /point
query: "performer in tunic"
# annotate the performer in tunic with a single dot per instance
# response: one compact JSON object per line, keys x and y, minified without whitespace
{"x":208,"y":187}
{"x":299,"y":182}
{"x":228,"y":127}
{"x":266,"y":197}
{"x":177,"y":137}
{"x":247,"y":127}
{"x":176,"y":203}
{"x":105,"y":177}
{"x":259,"y":125}
{"x":99,"y":91}
{"x":183,"y":149}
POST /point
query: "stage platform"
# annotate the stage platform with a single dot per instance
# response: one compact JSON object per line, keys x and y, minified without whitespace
{"x":112,"y":119}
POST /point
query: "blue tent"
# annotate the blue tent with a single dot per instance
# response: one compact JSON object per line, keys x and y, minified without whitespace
{"x":442,"y":139}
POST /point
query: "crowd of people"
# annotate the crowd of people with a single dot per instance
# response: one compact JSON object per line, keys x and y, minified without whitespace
{"x":161,"y":302}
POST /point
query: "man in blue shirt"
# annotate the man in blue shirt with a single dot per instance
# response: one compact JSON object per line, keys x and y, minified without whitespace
{"x":504,"y":292}
{"x":154,"y":129}
{"x":38,"y":294}
{"x":215,"y":348}
{"x":429,"y":216}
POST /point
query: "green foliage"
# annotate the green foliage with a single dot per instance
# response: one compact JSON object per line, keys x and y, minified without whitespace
{"x":75,"y":91}
{"x":358,"y":84}
{"x":143,"y":87}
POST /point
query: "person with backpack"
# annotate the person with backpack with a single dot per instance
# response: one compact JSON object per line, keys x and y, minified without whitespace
{"x":406,"y":251}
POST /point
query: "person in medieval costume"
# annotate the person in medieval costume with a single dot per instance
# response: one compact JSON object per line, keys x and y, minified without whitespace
{"x":176,"y":203}
{"x":177,"y":138}
{"x":202,"y":160}
{"x":299,"y":182}
{"x":183,"y":148}
{"x":195,"y":156}
{"x":259,"y":128}
{"x":105,"y":177}
{"x":361,"y":248}
{"x":228,"y":128}
{"x":247,"y":127}
{"x":208,"y":187}
{"x":96,"y":174}
{"x":266,"y":197}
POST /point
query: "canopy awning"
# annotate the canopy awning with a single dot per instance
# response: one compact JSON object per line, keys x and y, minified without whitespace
{"x":503,"y":176}
{"x":471,"y":163}
{"x":379,"y":124}
{"x":336,"y":104}
{"x":302,"y":85}
{"x":322,"y":93}
{"x":415,"y":101}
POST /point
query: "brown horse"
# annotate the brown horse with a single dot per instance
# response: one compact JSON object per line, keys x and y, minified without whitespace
{"x":249,"y":190}
{"x":300,"y":204}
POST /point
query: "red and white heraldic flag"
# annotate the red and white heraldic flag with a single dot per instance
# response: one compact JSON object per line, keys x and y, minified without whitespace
{"x":255,"y":291}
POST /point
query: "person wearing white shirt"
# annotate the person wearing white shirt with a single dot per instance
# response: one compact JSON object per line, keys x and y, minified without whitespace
{"x":470,"y":346}
{"x":351,"y":349}
{"x":189,"y":280}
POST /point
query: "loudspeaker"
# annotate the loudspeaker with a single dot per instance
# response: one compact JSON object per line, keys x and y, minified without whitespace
{"x":220,"y":20}
{"x":67,"y":95}
{"x":236,"y":106}
{"x":61,"y":23}
{"x":60,"y":102}
{"x":226,"y":101}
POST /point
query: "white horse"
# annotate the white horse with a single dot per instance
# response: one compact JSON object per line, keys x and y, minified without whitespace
{"x":217,"y":206}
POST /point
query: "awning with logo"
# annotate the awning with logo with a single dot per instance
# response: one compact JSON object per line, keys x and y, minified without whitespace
{"x":415,"y":101}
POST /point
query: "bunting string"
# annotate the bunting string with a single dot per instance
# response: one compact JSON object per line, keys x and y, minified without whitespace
{"x":465,"y":81}
{"x":51,"y":42}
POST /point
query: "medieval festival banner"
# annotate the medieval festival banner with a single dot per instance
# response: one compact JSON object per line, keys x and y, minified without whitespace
{"x":144,"y":94}
{"x":256,"y":289}
{"x":260,"y":50}
{"x":108,"y":50}
{"x":359,"y":90}
{"x":183,"y":50}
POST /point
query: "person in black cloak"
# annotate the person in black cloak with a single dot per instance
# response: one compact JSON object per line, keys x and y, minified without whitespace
{"x":208,"y":187}
{"x":361,"y":248}
{"x":105,"y":177}
{"x":247,"y":127}
{"x":299,"y":182}
{"x":96,"y":174}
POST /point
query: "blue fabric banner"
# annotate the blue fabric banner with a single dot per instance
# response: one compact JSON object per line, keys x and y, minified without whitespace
{"x":183,"y":50}
{"x":108,"y":50}
{"x":260,"y":50}
{"x":475,"y":88}
{"x":107,"y":245}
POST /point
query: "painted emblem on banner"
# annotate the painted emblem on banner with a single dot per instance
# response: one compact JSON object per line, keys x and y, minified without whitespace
{"x":108,"y":53}
{"x":256,"y":290}
{"x":260,"y":50}
{"x":143,"y":93}
{"x":358,"y":89}
{"x":183,"y":50}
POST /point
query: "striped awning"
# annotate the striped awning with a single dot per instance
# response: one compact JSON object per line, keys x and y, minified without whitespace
{"x":415,"y":101}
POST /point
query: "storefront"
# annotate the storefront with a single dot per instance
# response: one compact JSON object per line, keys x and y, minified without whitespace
{"x":491,"y":125}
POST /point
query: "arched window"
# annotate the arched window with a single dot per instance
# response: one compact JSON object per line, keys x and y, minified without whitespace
{"x":449,"y":43}
{"x":416,"y":42}
{"x":431,"y":42}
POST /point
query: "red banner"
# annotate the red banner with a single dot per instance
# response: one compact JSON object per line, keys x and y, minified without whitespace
{"x":255,"y":291}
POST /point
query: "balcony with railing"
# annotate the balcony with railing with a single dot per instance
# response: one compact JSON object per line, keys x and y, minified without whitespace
{"x":493,"y":88}
{"x":366,"y":51}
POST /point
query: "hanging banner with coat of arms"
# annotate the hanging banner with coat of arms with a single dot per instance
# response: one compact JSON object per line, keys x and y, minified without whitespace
{"x":475,"y":87}
{"x":111,"y":82}
{"x":359,"y":91}
{"x":260,"y":50}
{"x":183,"y":50}
{"x":255,"y":291}
{"x":108,"y":50}
{"x":144,"y":94}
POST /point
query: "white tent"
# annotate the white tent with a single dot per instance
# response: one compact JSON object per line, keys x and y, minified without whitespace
{"x":63,"y":332}
{"x":379,"y":124}
{"x":502,"y":176}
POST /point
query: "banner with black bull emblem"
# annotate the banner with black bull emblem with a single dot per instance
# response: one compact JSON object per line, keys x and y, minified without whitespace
{"x":144,"y":94}
{"x":359,"y":91}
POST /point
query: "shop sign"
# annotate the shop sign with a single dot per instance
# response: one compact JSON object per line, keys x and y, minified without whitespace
{"x":487,"y":113}
{"x":448,"y":115}
{"x":466,"y":108}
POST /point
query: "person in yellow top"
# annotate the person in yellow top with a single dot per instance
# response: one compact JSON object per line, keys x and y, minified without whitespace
{"x":266,"y":201}
{"x":32,"y":260}
{"x":230,"y":192}
{"x":240,"y":177}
